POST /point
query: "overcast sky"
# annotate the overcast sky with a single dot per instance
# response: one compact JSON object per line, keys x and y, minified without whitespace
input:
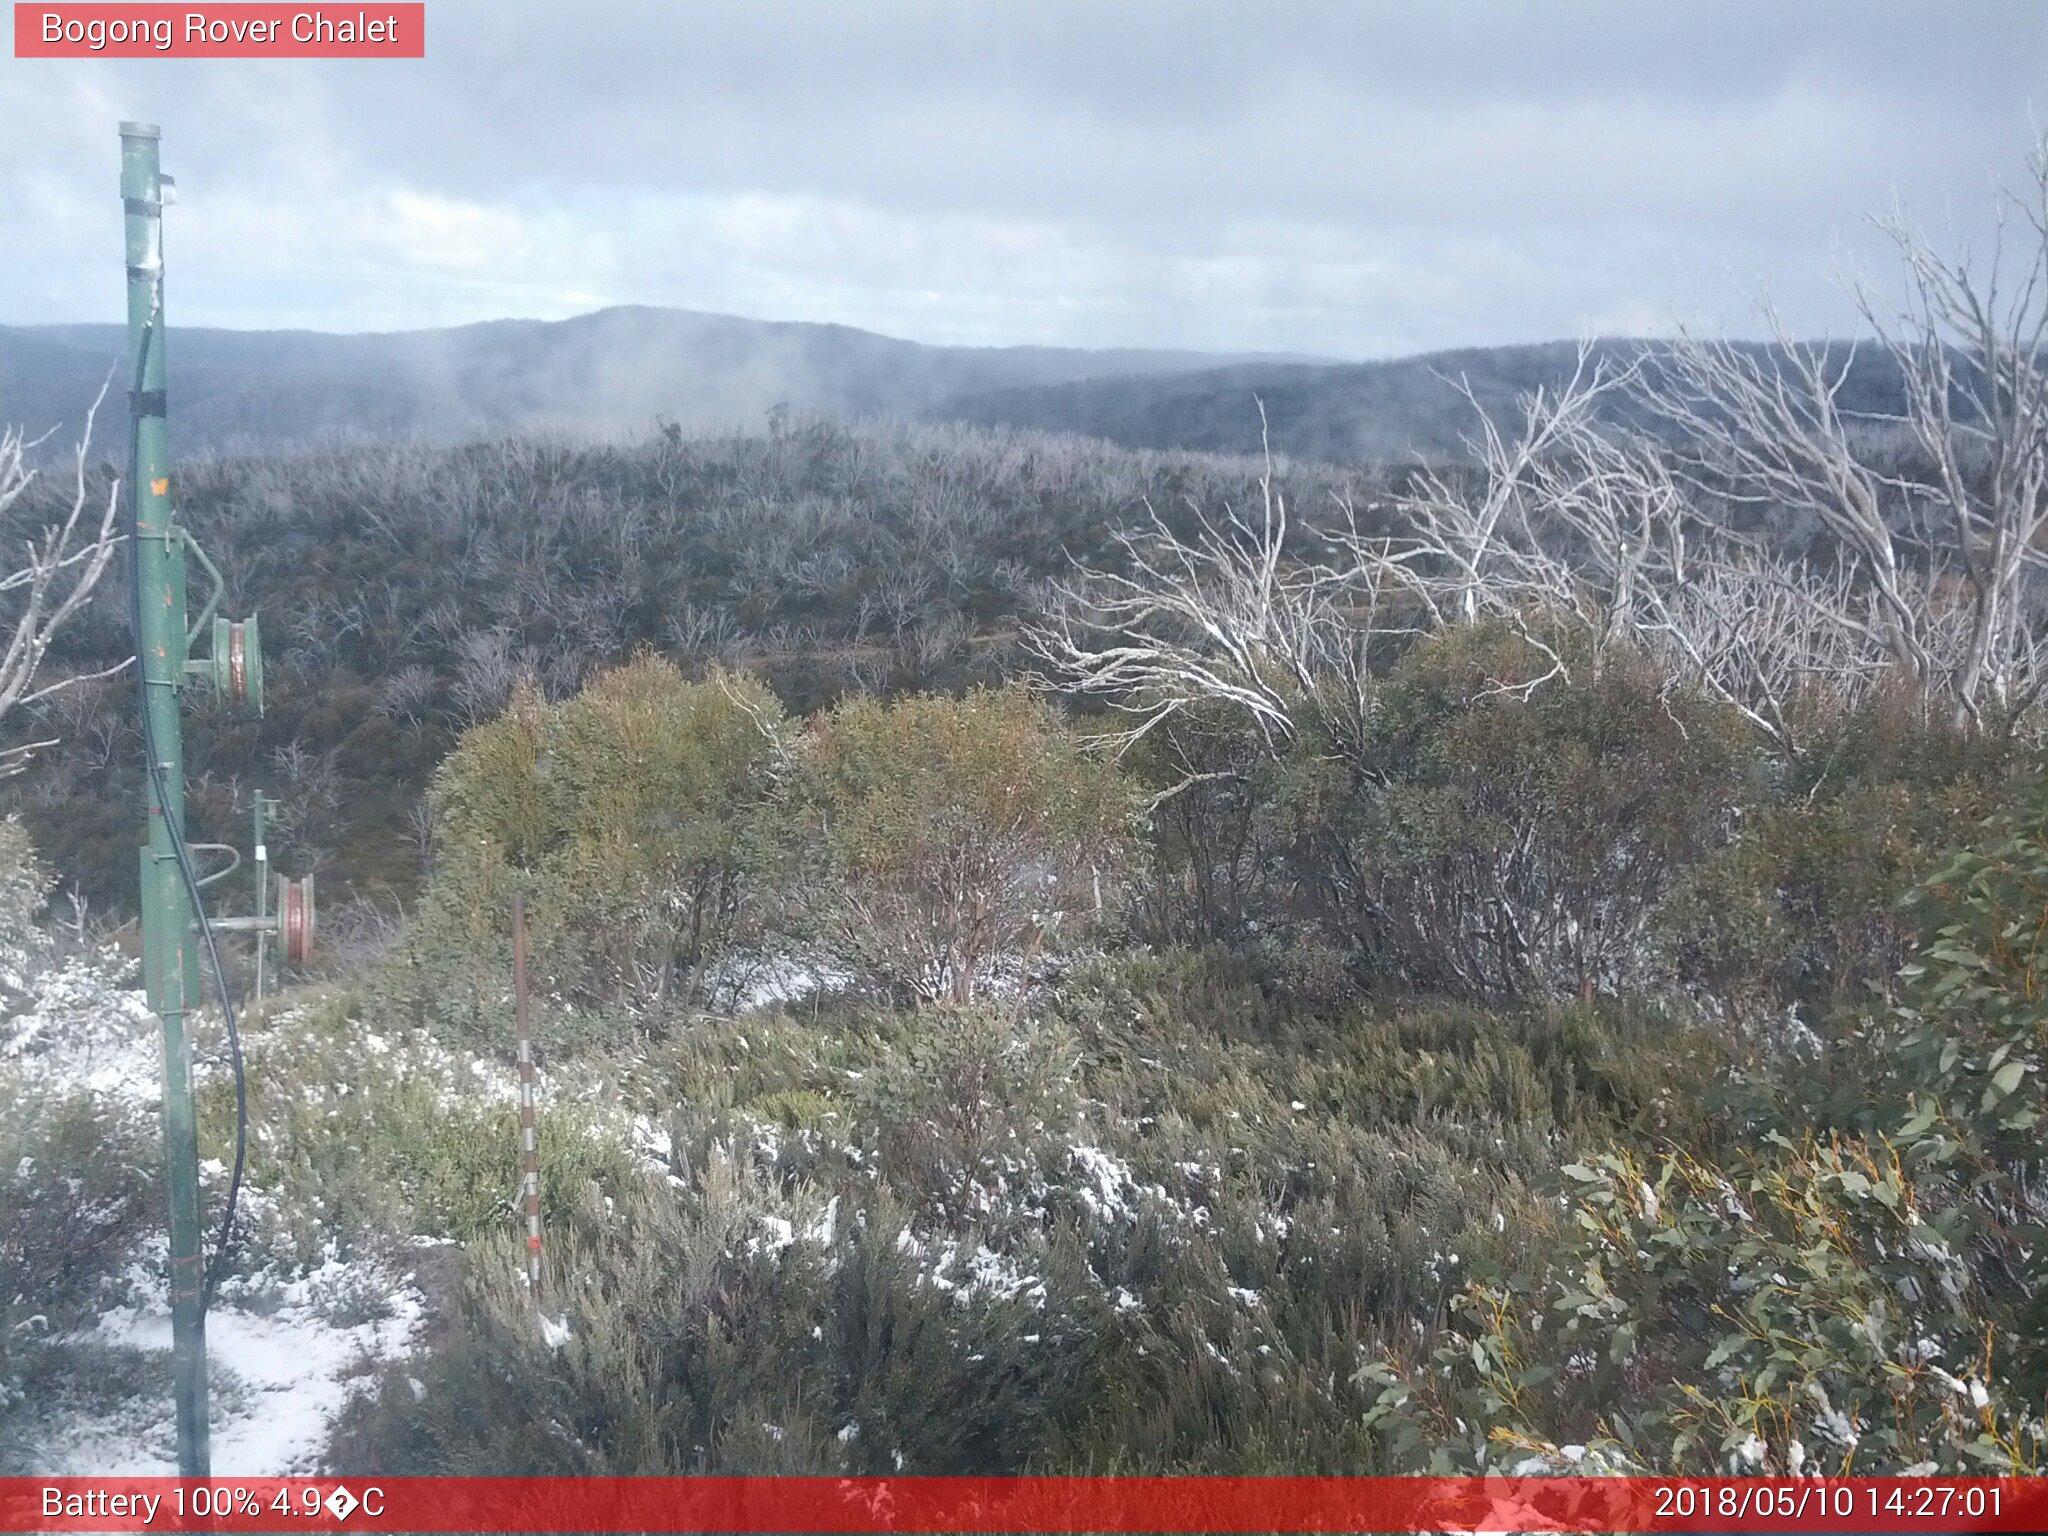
{"x":1351,"y":178}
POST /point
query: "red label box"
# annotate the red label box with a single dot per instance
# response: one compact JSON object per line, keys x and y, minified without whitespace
{"x":366,"y":29}
{"x":1017,"y":1506}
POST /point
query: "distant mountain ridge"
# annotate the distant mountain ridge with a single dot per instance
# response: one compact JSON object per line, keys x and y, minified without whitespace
{"x":1402,"y":409}
{"x":613,"y":371}
{"x":619,"y":372}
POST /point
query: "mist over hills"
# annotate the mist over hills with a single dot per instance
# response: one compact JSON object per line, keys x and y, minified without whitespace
{"x":618,"y":373}
{"x":1398,"y":410}
{"x":1405,"y":408}
{"x":613,"y":372}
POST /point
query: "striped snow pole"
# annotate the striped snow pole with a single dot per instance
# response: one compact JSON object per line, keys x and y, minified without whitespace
{"x":529,"y":1137}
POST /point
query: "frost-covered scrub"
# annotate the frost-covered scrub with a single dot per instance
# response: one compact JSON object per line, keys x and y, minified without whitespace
{"x":1155,"y":1214}
{"x":77,"y":1171}
{"x":80,"y":1165}
{"x":78,"y":1155}
{"x":307,"y":1308}
{"x":84,"y":1316}
{"x":1159,"y":1223}
{"x":361,"y":1136}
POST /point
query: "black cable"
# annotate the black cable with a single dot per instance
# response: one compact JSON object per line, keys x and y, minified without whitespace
{"x":163,"y":801}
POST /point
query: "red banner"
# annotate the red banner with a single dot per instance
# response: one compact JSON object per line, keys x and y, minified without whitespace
{"x":369,"y":29}
{"x":1022,"y":1504}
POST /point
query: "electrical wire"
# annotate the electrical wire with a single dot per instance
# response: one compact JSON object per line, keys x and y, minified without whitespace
{"x":223,"y":1244}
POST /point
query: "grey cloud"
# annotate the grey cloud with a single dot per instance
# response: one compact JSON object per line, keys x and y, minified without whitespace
{"x":1335,"y":177}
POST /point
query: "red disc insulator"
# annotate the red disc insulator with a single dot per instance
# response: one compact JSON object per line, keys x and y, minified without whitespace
{"x":238,"y":664}
{"x":295,"y":918}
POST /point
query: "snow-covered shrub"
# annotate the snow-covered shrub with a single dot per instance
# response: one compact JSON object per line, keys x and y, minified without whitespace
{"x":67,"y":1016}
{"x":969,"y":1113}
{"x":78,"y":1146}
{"x":78,"y":1173}
{"x":738,"y":1326}
{"x":1154,"y":1224}
{"x":24,"y":885}
{"x":360,"y":1136}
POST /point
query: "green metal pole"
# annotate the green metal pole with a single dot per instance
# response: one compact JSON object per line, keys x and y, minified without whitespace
{"x":169,"y":961}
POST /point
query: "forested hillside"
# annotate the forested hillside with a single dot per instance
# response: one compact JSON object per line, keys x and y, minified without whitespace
{"x":614,"y":375}
{"x":405,"y":589}
{"x":1397,"y":411}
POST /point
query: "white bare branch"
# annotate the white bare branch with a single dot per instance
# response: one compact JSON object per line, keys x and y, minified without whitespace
{"x":64,"y":553}
{"x":1585,"y":533}
{"x":1236,"y":615}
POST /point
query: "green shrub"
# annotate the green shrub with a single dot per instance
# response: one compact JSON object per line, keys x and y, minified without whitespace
{"x":24,"y":885}
{"x":638,"y":818}
{"x":1153,"y":1224}
{"x":1804,"y":905}
{"x":1495,"y":838}
{"x":954,"y":835}
{"x":1808,"y":1308}
{"x":1210,"y":869}
{"x":1856,"y":1292}
{"x":1975,"y":1029}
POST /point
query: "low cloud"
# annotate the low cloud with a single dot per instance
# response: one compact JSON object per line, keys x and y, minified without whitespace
{"x":1325,"y":178}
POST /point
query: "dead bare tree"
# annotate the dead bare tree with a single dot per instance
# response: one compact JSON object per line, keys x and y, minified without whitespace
{"x":1575,"y":525}
{"x":1957,"y":609}
{"x":1970,"y":346}
{"x":65,"y":552}
{"x":1237,"y":616}
{"x":1580,"y":537}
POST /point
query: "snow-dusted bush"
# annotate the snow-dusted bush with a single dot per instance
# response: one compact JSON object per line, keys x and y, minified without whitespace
{"x":67,"y":1015}
{"x":24,"y":886}
{"x":77,"y":1176}
{"x":361,"y":1137}
{"x":79,"y":1153}
{"x":741,"y":1326}
{"x":1153,"y":1224}
{"x":968,"y":1113}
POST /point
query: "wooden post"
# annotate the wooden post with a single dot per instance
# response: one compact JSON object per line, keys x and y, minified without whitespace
{"x":262,"y":893}
{"x":529,"y":1140}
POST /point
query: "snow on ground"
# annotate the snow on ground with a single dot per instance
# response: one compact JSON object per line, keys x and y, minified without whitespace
{"x":287,"y":1351}
{"x":78,"y":1031}
{"x":279,"y":1377}
{"x":778,"y":981}
{"x":284,"y":1354}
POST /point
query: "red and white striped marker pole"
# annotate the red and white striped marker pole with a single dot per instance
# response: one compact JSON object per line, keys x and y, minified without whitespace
{"x":529,"y":1135}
